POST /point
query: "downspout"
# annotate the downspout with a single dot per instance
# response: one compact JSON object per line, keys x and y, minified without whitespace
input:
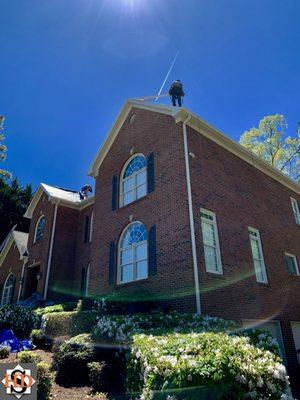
{"x":191,"y":214}
{"x":25,"y":259}
{"x":50,"y":251}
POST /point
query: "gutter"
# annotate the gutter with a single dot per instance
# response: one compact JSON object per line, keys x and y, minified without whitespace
{"x":50,"y":251}
{"x":191,"y":213}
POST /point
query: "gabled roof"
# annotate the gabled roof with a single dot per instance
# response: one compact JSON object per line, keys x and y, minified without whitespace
{"x":20,"y":239}
{"x":65,"y":197}
{"x":200,"y":126}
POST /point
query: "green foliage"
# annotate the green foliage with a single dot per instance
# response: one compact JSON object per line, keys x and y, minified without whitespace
{"x":14,"y":201}
{"x":263,"y":340}
{"x":44,"y":381}
{"x":270,"y":142}
{"x":3,"y":149}
{"x":72,"y":358}
{"x":4,"y":352}
{"x":40,"y":339}
{"x":121,"y":328}
{"x":98,"y":377}
{"x":29,"y":357}
{"x":68,"y":323}
{"x":176,"y":363}
{"x":69,"y":306}
{"x":20,"y":319}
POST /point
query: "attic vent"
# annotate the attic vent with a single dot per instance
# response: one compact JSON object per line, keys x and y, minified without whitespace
{"x":132,"y":119}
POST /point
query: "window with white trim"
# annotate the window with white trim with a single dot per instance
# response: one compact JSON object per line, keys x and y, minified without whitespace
{"x":133,"y":254}
{"x":8,"y":290}
{"x":292,"y":264}
{"x":39,"y":229}
{"x":211,"y":244}
{"x":258,"y":257}
{"x":295,"y":209}
{"x":134,"y":180}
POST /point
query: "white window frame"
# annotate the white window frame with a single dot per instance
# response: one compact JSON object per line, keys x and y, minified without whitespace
{"x":36,"y":228}
{"x":91,"y":226}
{"x":262,"y":275}
{"x":212,"y":222}
{"x":295,"y":261}
{"x":134,"y":261}
{"x":134,"y":175}
{"x":87,"y":278}
{"x":295,"y":210}
{"x":10,"y":291}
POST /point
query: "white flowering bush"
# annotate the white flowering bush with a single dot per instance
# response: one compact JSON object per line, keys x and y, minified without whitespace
{"x":121,"y":328}
{"x":170,"y":365}
{"x":263,"y":340}
{"x":20,"y":319}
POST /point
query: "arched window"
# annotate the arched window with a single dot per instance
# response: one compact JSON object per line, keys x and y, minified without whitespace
{"x":133,"y":254}
{"x":134,"y":180}
{"x":8,"y":290}
{"x":39,"y":229}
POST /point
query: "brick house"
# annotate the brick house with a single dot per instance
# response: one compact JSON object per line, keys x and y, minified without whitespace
{"x":181,"y":212}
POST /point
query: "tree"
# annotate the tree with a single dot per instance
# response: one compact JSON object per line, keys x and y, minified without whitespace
{"x":3,"y":148}
{"x":270,"y":142}
{"x":14,"y":201}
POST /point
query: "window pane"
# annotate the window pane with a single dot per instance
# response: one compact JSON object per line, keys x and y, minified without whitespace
{"x":128,"y":185}
{"x":141,"y":178}
{"x":142,"y":270}
{"x":211,"y":261}
{"x":259,"y":270}
{"x":291,"y":265}
{"x":208,"y":234}
{"x":127,"y":273}
{"x":141,"y":252}
{"x":128,"y":198}
{"x":126,"y":256}
{"x":141,"y":191}
{"x":255,"y":249}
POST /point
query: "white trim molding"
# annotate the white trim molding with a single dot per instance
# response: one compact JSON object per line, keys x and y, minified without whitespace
{"x":191,"y":215}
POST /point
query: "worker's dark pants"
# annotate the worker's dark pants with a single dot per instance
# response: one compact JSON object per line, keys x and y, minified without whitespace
{"x":174,"y":98}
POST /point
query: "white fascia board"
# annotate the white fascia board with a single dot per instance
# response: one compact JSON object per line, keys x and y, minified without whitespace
{"x":235,"y":148}
{"x":118,"y":123}
{"x":6,"y":249}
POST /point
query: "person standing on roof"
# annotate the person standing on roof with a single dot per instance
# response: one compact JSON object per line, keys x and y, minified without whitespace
{"x":176,"y":92}
{"x":84,"y":192}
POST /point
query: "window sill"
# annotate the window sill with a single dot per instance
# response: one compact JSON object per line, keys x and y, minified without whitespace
{"x":137,"y":281}
{"x":132,"y":203}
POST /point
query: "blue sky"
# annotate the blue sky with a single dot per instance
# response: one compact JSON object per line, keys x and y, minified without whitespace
{"x":67,"y":66}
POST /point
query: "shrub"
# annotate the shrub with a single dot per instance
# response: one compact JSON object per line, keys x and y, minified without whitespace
{"x":70,"y":306}
{"x":121,"y":328}
{"x":20,"y":319}
{"x":72,"y":359}
{"x":263,"y":340}
{"x":184,"y":361}
{"x":68,"y":323}
{"x":4,"y":352}
{"x":40,"y":339}
{"x":29,"y":357}
{"x":98,"y":378}
{"x":44,"y":381}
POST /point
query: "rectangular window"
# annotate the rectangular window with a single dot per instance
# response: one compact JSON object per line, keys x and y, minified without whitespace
{"x":258,"y":257}
{"x":295,"y":209}
{"x":211,"y":244}
{"x":291,"y":263}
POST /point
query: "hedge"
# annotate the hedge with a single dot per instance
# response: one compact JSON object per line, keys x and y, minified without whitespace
{"x":175,"y":364}
{"x":68,"y":323}
{"x":69,"y":306}
{"x":20,"y":319}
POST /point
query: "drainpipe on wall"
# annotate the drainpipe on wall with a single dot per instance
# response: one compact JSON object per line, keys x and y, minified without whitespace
{"x":191,"y":214}
{"x":50,"y":251}
{"x":25,"y":259}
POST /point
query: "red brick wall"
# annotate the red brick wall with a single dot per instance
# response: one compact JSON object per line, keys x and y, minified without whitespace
{"x":38,"y":252}
{"x":82,"y":248}
{"x":166,"y":207}
{"x":242,"y":197}
{"x":11,"y":264}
